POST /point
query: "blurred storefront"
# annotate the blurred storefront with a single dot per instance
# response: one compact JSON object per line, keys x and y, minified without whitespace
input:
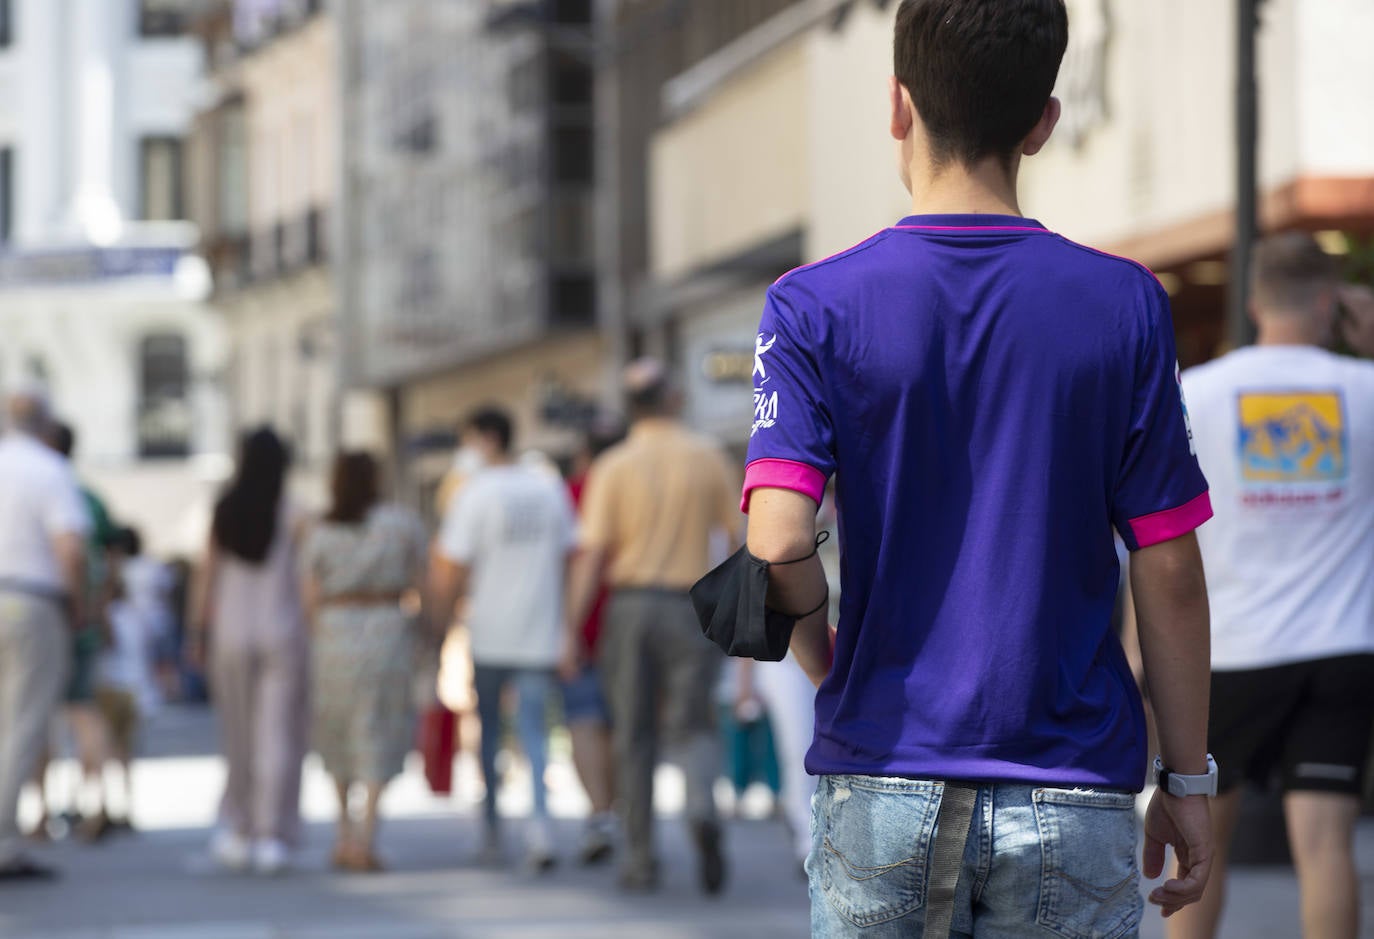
{"x":102,"y":293}
{"x":773,"y":150}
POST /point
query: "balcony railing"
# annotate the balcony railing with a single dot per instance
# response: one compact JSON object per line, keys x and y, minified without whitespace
{"x":291,"y":245}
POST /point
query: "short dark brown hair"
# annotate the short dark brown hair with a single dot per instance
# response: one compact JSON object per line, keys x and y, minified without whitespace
{"x":980,"y":72}
{"x":495,"y":422}
{"x":353,"y":487}
{"x":1290,"y":273}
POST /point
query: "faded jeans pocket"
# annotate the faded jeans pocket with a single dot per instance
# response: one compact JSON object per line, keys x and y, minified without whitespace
{"x":875,"y":843}
{"x":1089,"y":879}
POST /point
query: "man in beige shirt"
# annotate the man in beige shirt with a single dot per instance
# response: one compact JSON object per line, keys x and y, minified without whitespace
{"x":652,"y":508}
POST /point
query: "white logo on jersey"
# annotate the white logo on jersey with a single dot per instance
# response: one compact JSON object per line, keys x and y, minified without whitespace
{"x":765,"y":403}
{"x":761,"y":347}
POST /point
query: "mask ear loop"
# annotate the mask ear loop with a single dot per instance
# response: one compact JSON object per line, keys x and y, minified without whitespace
{"x":821,"y":539}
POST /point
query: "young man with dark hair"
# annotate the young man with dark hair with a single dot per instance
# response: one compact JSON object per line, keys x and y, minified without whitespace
{"x":1286,"y":433}
{"x":992,"y":400}
{"x":505,"y":544}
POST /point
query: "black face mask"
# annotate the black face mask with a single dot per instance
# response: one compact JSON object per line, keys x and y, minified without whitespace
{"x":731,"y":604}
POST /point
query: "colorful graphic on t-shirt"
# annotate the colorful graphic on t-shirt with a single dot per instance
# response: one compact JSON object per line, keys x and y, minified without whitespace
{"x":1299,"y":437}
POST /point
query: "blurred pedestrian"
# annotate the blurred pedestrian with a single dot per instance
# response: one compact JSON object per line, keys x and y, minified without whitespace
{"x":43,"y":528}
{"x":991,"y":400}
{"x":504,"y":548}
{"x":126,"y":691}
{"x":80,"y":712}
{"x":584,"y":699}
{"x":1285,"y":431}
{"x":362,"y":564}
{"x":250,"y":627}
{"x":147,"y":587}
{"x":651,"y":509}
{"x":789,"y":700}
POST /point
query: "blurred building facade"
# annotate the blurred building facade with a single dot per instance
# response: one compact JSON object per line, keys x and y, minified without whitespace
{"x":101,"y":291}
{"x":264,"y":164}
{"x":1142,"y":164}
{"x":467,"y":269}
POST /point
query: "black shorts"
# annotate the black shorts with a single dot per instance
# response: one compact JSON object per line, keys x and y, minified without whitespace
{"x":1309,"y":721}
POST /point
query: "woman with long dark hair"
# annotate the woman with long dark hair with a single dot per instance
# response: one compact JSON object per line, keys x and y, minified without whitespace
{"x":363,"y":564}
{"x":251,"y":624}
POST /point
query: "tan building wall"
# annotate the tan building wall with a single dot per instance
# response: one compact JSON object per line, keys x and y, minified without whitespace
{"x":292,"y":113}
{"x":733,"y":172}
{"x":516,"y":381}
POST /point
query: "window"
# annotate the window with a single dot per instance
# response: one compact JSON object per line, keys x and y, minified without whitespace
{"x":161,"y":17}
{"x":233,"y":172}
{"x":570,"y":82}
{"x":164,"y":410}
{"x":572,"y":12}
{"x":6,"y":35}
{"x":572,"y":155}
{"x":160,"y":177}
{"x":573,"y":233}
{"x":7,"y":190}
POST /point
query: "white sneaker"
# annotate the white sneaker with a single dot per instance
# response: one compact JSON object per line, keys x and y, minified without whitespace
{"x":540,"y":856}
{"x":598,"y":840}
{"x":270,"y":857}
{"x":231,"y":851}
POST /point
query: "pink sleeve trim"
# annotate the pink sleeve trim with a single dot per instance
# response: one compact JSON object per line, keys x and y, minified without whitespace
{"x":1171,"y":523}
{"x":782,"y":474}
{"x":1002,"y":228}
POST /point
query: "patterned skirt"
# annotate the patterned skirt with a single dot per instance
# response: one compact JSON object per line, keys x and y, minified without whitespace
{"x":364,"y":722}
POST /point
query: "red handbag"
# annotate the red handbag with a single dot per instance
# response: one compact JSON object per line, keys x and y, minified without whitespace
{"x":438,"y":743}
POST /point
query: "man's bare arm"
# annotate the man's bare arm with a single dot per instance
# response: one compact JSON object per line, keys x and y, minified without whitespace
{"x":70,"y":549}
{"x":585,"y":571}
{"x":782,"y":527}
{"x":448,"y":583}
{"x":1175,"y":645}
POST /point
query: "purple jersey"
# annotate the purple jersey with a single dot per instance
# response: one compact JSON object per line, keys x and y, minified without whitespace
{"x":992,"y":401}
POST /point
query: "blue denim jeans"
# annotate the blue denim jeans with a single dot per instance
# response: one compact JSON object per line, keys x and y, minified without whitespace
{"x":533,"y":686}
{"x":1038,"y":861}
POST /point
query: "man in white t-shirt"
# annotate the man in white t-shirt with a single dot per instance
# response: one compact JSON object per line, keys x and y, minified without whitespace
{"x":43,"y":525}
{"x":1284,"y":432}
{"x":505,"y":544}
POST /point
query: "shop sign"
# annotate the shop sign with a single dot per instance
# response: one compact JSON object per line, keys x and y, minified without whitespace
{"x":728,"y":366}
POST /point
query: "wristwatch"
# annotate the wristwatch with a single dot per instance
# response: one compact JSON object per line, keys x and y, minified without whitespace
{"x":1179,"y":784}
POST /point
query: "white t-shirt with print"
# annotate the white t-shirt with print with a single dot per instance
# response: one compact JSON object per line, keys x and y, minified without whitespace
{"x":1285,"y":436}
{"x":513,"y":526}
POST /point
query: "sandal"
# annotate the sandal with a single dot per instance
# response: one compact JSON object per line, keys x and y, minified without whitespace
{"x":342,"y":858}
{"x":362,"y":861}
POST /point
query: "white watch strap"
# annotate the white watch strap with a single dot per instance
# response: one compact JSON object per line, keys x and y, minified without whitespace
{"x":1181,"y":785}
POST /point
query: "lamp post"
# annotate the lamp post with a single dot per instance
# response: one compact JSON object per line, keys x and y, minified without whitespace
{"x":1240,"y":330}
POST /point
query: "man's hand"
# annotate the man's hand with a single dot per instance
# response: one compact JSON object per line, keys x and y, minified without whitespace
{"x":572,"y":658}
{"x":1185,"y":823}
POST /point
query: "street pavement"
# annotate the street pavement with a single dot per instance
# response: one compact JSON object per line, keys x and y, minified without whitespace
{"x":159,"y":884}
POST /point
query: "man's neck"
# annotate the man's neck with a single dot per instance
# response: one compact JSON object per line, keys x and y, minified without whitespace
{"x":1285,"y":331}
{"x":984,"y":189}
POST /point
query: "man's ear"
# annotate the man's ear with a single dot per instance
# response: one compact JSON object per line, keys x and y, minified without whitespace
{"x":902,"y":113}
{"x":1044,"y":128}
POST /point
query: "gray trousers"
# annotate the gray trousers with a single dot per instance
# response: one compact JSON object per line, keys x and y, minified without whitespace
{"x":261,"y":698}
{"x":660,"y":677}
{"x":35,"y":657}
